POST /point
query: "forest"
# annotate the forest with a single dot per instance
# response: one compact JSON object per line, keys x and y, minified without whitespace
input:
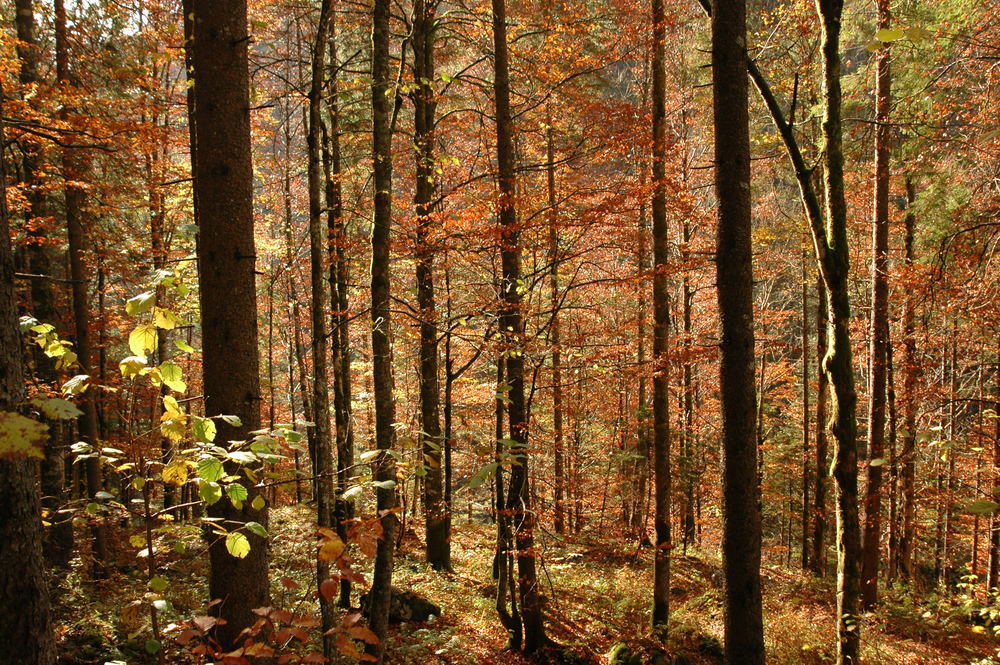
{"x":636,"y":332}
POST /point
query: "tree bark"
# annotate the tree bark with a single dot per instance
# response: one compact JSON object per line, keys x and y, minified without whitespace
{"x":806,"y":512}
{"x":741,"y":536}
{"x":661,"y":324}
{"x":833,"y":252}
{"x":558,"y":447}
{"x":879,"y":325}
{"x":512,"y":327}
{"x":24,"y":596}
{"x":908,"y":450}
{"x":223,"y":185}
{"x":318,"y":249}
{"x":384,"y":470}
{"x":437,"y":515}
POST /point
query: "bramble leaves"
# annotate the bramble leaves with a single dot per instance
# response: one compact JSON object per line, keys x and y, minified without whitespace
{"x":21,"y":436}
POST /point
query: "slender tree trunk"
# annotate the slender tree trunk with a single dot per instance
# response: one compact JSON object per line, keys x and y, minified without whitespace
{"x":223,"y":185}
{"x":741,"y":537}
{"x":318,"y":248}
{"x":384,"y":469}
{"x":908,"y":451}
{"x":661,"y":317}
{"x":512,"y":327}
{"x":834,"y":260}
{"x":993,"y":572}
{"x":559,"y":473}
{"x":437,"y":516}
{"x":75,"y":199}
{"x":806,"y":512}
{"x":340,"y":319}
{"x":893,"y":425}
{"x":24,"y":597}
{"x":688,"y":473}
{"x":879,"y":326}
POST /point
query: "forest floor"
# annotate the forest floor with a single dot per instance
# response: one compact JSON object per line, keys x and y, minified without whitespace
{"x":596,"y":596}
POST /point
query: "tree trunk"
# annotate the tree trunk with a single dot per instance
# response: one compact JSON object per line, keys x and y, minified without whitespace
{"x":879,"y":326}
{"x":318,"y":248}
{"x":512,"y":327}
{"x":834,"y":253}
{"x":806,"y":512}
{"x":340,"y":319}
{"x":661,"y":323}
{"x":741,"y":536}
{"x":558,"y":451}
{"x":384,"y":470}
{"x":75,"y":198}
{"x":223,"y":185}
{"x":908,"y":450}
{"x":24,"y":597}
{"x":437,"y":517}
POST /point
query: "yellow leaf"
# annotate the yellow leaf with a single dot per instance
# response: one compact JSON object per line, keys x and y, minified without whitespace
{"x":175,"y":473}
{"x":142,"y":339}
{"x":21,"y":436}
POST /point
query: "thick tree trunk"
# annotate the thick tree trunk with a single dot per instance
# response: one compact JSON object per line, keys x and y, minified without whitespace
{"x":384,"y":466}
{"x":512,"y":327}
{"x":24,"y":597}
{"x":835,"y":265}
{"x":741,"y":538}
{"x":879,"y":326}
{"x":661,"y":324}
{"x":318,"y":249}
{"x":223,"y":185}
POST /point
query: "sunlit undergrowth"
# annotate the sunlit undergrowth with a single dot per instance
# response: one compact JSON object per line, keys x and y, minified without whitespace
{"x":596,"y":598}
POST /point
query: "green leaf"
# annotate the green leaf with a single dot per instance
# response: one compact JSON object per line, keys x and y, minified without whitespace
{"x":210,"y":492}
{"x":385,"y":484}
{"x":351,"y":493}
{"x":236,"y":493}
{"x":917,"y":34}
{"x":152,"y":646}
{"x":238,"y":545}
{"x":140,"y":303}
{"x":231,"y":420}
{"x":21,"y":436}
{"x":142,"y":339}
{"x":170,"y":373}
{"x":210,"y":469}
{"x":158,"y":584}
{"x":257,"y":529}
{"x":57,"y":409}
{"x":258,"y":502}
{"x":878,"y":461}
{"x":204,"y":430}
{"x":982,"y":507}
{"x":183,"y":346}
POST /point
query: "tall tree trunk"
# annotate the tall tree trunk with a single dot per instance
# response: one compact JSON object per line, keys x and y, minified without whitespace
{"x":512,"y":327}
{"x":893,"y":426}
{"x":558,"y":451}
{"x":993,"y":572}
{"x":688,"y":474}
{"x":384,"y":466}
{"x":834,"y":253}
{"x":879,"y":325}
{"x":741,"y":536}
{"x":661,"y":324}
{"x":806,"y":512}
{"x":75,"y":199}
{"x":58,"y":538}
{"x":908,"y":450}
{"x":318,"y":249}
{"x":437,"y":516}
{"x":223,"y":185}
{"x":24,"y":597}
{"x":340,"y":319}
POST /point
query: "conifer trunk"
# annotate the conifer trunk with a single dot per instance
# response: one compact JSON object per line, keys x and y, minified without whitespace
{"x":741,"y":537}
{"x":223,"y":185}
